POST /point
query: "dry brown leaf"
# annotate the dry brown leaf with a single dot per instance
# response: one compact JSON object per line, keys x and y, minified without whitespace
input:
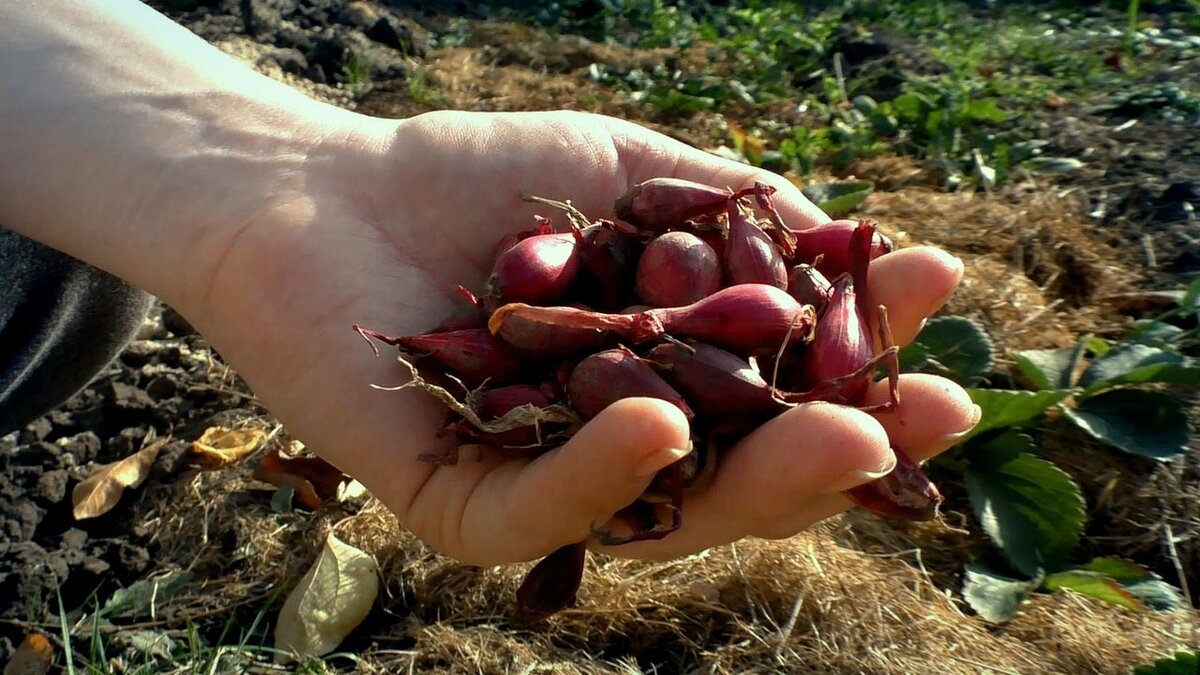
{"x":331,"y":600}
{"x":219,"y":446}
{"x":33,"y":657}
{"x":99,"y":493}
{"x":314,"y":480}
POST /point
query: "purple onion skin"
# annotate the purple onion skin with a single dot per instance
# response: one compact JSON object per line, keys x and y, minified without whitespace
{"x":832,"y":240}
{"x":660,"y":204}
{"x":609,"y":259}
{"x":676,"y":269}
{"x":841,"y":343}
{"x":496,"y":402}
{"x":536,"y":270}
{"x":751,"y":257}
{"x":606,"y":377}
{"x":472,"y":354}
{"x":809,"y":287}
{"x":551,"y":585}
{"x":545,"y":333}
{"x":715,"y":382}
{"x":904,"y":494}
{"x":747,"y":319}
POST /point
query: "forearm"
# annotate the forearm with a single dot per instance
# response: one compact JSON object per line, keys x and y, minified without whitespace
{"x":135,"y":146}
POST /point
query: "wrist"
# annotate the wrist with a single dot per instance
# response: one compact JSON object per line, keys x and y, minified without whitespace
{"x":146,"y":161}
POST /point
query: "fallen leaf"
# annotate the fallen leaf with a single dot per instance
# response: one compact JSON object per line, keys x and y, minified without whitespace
{"x":99,"y":493}
{"x":334,"y":596}
{"x":351,"y":491}
{"x":33,"y":657}
{"x":150,"y":643}
{"x":140,"y":598}
{"x":219,"y":446}
{"x":314,"y":480}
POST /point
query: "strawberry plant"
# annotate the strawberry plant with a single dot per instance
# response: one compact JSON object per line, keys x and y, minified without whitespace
{"x":1032,"y":511}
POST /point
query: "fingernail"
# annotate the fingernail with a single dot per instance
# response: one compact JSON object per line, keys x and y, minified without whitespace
{"x":950,"y":439}
{"x":859,"y":477}
{"x":657,"y":461}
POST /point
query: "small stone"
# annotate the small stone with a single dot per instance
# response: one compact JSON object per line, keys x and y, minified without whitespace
{"x":291,"y":36}
{"x":35,"y":431}
{"x":262,"y":16}
{"x":400,"y":35}
{"x":35,"y":454}
{"x":127,"y":396}
{"x":358,"y":14}
{"x":83,"y":446}
{"x":74,"y":538}
{"x":19,"y":521}
{"x":52,"y":486}
{"x":128,"y":441}
{"x":139,"y":352}
{"x":162,"y":387}
{"x":289,"y":60}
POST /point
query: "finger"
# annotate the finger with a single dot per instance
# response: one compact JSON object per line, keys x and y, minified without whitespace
{"x":521,"y":511}
{"x":776,"y":472}
{"x":913,"y":283}
{"x":934,"y":414}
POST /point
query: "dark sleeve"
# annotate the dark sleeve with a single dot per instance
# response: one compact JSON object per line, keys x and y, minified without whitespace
{"x":61,"y":323}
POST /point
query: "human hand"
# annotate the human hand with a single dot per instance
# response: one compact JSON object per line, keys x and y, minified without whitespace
{"x":382,"y":233}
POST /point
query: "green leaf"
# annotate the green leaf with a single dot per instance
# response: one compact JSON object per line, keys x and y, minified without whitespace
{"x":1190,"y":303}
{"x":1138,"y":363}
{"x":1140,"y":582}
{"x":1096,"y":345}
{"x":913,"y":357}
{"x":1050,"y":368}
{"x":955,"y":347}
{"x":908,"y":106}
{"x":1094,"y":585}
{"x":985,"y":110}
{"x":838,"y":199}
{"x":1182,"y":663}
{"x":138,"y":598}
{"x":1157,"y":595}
{"x":1029,"y":507}
{"x":1154,"y":333}
{"x":1010,"y":408}
{"x":1124,"y":571}
{"x":995,"y":597}
{"x":1146,"y":423}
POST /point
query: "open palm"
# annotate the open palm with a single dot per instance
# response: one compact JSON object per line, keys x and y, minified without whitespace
{"x":382,"y":235}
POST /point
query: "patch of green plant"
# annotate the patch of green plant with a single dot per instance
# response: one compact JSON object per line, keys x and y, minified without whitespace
{"x":1032,"y":511}
{"x":838,"y":199}
{"x":1169,"y":101}
{"x":974,"y":85}
{"x":422,"y":91}
{"x":1182,"y":663}
{"x":358,"y":72}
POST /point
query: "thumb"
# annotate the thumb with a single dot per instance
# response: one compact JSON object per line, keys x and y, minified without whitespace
{"x":563,"y":494}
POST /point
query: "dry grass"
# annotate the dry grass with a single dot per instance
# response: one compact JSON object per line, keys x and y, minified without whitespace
{"x":852,"y":595}
{"x":1035,"y":268}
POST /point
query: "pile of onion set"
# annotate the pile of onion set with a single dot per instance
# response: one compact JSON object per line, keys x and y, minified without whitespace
{"x":693,"y":294}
